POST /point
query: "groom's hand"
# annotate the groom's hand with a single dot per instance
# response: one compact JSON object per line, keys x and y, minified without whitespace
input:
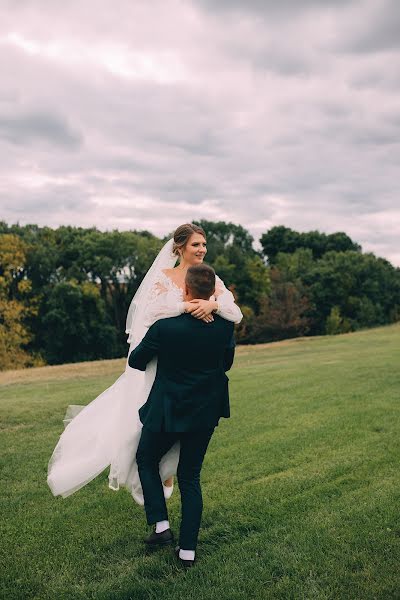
{"x":201,"y":309}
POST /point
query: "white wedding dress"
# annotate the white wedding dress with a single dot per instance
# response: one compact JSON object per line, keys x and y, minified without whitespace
{"x":106,"y":432}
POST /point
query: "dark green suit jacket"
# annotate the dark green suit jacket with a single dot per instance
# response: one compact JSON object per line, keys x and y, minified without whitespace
{"x":190,"y":391}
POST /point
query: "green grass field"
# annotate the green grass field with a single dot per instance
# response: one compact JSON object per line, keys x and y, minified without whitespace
{"x":301,"y":486}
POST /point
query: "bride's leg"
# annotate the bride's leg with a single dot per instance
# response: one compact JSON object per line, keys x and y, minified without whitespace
{"x":169,"y":482}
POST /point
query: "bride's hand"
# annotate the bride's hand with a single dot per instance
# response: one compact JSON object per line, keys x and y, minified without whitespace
{"x":208,"y":319}
{"x":201,"y":309}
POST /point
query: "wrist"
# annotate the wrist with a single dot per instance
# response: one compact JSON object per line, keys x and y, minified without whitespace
{"x":182,"y":307}
{"x":215,"y":306}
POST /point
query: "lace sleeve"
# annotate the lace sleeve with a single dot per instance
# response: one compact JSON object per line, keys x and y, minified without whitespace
{"x":165,"y":300}
{"x":227,"y":309}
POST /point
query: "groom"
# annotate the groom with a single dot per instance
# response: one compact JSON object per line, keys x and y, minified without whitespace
{"x":189,"y":395}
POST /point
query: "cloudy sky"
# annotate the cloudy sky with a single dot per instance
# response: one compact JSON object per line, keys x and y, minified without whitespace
{"x":146,"y":114}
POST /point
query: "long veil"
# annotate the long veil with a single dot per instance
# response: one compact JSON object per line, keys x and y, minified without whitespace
{"x":106,"y":432}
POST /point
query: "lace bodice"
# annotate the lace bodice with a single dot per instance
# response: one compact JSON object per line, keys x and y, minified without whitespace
{"x":166,"y":300}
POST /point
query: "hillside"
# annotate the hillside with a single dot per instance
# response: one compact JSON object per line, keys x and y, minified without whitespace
{"x":301,"y":485}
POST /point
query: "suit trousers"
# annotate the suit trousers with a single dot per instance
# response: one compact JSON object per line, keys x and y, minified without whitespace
{"x":152,"y":447}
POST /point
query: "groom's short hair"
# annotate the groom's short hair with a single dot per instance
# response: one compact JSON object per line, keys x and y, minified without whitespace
{"x":200,"y":279}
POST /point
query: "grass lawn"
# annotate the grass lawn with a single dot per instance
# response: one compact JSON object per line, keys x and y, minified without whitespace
{"x":301,"y":486}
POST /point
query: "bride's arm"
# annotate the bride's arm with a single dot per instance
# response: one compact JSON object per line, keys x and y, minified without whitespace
{"x":227,"y":308}
{"x":164,"y":302}
{"x":222,"y":302}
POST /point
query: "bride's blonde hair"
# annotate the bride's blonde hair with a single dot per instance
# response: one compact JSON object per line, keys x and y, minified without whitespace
{"x":182,"y":235}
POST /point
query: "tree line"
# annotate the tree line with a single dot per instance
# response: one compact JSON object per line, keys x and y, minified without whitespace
{"x":65,"y":292}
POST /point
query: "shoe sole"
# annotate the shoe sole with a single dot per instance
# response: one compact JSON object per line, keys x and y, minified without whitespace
{"x":158,"y":544}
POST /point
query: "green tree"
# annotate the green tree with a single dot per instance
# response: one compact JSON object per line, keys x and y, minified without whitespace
{"x":279,"y":239}
{"x":283,"y":239}
{"x":41,"y":253}
{"x":253,"y":283}
{"x":294,"y":267}
{"x":117,"y":262}
{"x":283,"y":314}
{"x":74,"y":325}
{"x":16,"y":305}
{"x":70,"y":279}
{"x":114,"y":261}
{"x":366,"y":289}
{"x":335,"y":323}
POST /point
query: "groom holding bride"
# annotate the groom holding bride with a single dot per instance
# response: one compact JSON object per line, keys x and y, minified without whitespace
{"x":189,"y":395}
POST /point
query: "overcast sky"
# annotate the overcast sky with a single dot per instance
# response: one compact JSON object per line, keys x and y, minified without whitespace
{"x":144,"y":115}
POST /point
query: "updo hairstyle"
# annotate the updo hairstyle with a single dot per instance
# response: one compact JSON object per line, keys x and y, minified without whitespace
{"x":182,"y":235}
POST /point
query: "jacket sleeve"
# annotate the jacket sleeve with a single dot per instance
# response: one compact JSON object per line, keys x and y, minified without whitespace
{"x":146,"y":350}
{"x":229,"y":354}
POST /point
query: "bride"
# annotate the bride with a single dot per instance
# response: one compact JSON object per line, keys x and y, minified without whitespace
{"x":106,"y":432}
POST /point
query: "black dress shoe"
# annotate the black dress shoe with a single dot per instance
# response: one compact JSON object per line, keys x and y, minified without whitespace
{"x":186,"y":564}
{"x":165,"y":538}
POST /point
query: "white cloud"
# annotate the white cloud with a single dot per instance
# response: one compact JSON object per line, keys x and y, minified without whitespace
{"x":118,"y":59}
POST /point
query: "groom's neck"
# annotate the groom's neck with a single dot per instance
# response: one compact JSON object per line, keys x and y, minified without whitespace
{"x":189,"y":296}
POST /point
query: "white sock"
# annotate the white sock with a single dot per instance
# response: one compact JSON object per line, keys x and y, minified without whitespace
{"x":162,"y":526}
{"x":186,"y":554}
